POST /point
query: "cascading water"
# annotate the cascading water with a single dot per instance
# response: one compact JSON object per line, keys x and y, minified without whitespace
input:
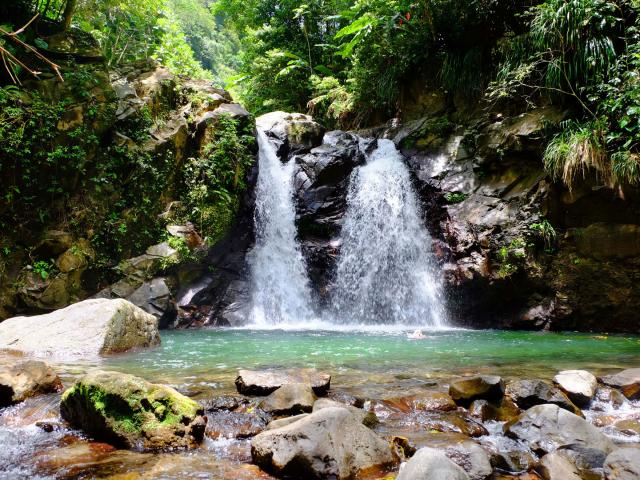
{"x":280,"y":293}
{"x":385,"y":272}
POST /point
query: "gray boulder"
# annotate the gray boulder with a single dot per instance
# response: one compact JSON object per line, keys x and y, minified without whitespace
{"x":488,"y":387}
{"x":430,"y":464}
{"x":623,"y":464}
{"x":555,"y":466}
{"x":548,"y":427}
{"x":528,"y":393}
{"x":26,"y":379}
{"x":290,"y":399}
{"x":472,"y":458}
{"x":369,"y":419}
{"x":86,"y":329}
{"x":329,"y":443}
{"x":628,"y":381}
{"x":579,"y":385}
{"x":263,"y":382}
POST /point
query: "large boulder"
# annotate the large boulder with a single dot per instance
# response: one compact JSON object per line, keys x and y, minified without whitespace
{"x":528,"y":393}
{"x":26,"y":379}
{"x":430,"y":464}
{"x":579,"y":385}
{"x":292,"y":132}
{"x":290,"y":399}
{"x":472,"y":458}
{"x":545,"y":428}
{"x":628,"y":381}
{"x":329,"y":443}
{"x":555,"y":466}
{"x":88,"y":328}
{"x":623,"y":464}
{"x":130,"y":412}
{"x":488,"y":387}
{"x":263,"y":382}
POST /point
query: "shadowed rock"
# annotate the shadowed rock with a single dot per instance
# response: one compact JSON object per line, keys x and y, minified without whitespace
{"x":488,"y":387}
{"x":290,"y":399}
{"x":528,"y":393}
{"x":263,"y":382}
{"x":26,"y":379}
{"x":628,"y":381}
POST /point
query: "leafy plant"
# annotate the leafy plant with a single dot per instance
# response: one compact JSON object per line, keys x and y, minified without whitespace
{"x":546,"y":231}
{"x":43,"y":268}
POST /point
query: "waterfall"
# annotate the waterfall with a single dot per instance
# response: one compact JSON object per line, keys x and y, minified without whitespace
{"x":386,"y":272}
{"x":280,"y":287}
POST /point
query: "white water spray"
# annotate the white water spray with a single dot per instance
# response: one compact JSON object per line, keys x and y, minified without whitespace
{"x":280,"y":287}
{"x":386,"y":272}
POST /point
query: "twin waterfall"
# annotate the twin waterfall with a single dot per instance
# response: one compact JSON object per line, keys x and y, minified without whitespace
{"x":385,"y":272}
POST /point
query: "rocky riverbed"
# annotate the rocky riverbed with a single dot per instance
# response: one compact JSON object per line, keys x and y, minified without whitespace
{"x":302,"y":423}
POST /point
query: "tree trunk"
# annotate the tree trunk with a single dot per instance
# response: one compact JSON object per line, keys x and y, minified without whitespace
{"x":69,"y":9}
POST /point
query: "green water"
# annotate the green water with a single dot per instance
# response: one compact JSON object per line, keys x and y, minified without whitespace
{"x":372,"y":363}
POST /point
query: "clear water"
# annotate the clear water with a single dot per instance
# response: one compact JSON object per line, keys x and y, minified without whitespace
{"x":370,"y":362}
{"x":386,"y":272}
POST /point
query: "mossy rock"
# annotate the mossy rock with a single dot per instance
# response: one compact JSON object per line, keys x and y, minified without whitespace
{"x":128,"y":411}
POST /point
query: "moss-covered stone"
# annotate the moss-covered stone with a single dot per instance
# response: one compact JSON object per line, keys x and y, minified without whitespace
{"x":130,"y":412}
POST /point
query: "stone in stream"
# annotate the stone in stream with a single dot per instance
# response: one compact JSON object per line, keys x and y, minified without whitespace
{"x":555,"y":466}
{"x":428,"y":401}
{"x":26,"y":379}
{"x":472,"y":458}
{"x":263,"y":382}
{"x":89,"y":328}
{"x":488,"y":387}
{"x":430,"y":464}
{"x":515,"y":462}
{"x":290,"y":399}
{"x":328,"y":443}
{"x":627,"y":381}
{"x":623,"y":464}
{"x":528,"y":393}
{"x":545,"y":428}
{"x":130,"y":412}
{"x":503,"y":410}
{"x":579,"y":385}
{"x":283,"y":422}
{"x":223,"y":424}
{"x":368,"y":419}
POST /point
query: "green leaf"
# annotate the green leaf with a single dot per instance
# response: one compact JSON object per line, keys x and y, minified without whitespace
{"x":366,"y":21}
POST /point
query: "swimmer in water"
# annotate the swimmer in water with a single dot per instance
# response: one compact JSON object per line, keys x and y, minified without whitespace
{"x":416,"y":335}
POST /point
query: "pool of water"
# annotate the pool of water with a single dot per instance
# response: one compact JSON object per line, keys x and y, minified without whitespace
{"x":374,"y":364}
{"x":367,"y":362}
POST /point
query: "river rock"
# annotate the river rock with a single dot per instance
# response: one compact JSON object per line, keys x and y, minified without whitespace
{"x":548,"y":427}
{"x":329,"y":443}
{"x":431,"y":464}
{"x":223,"y":424}
{"x":26,"y":379}
{"x":628,"y":381}
{"x":428,"y":401}
{"x":86,"y":329}
{"x":472,"y":458}
{"x":555,"y":466}
{"x":293,"y":132}
{"x":130,"y":412}
{"x":623,"y":464}
{"x":290,"y":399}
{"x":579,"y":385}
{"x":488,"y":387}
{"x":528,"y":393}
{"x":263,"y":382}
{"x":368,"y":419}
{"x":516,"y":461}
{"x":502,"y":410}
{"x":283,"y":422}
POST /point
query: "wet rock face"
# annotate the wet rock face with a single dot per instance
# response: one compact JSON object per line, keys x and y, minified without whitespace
{"x":431,"y":464}
{"x":528,"y":393}
{"x":628,"y":381}
{"x":128,"y":411}
{"x":545,"y":428}
{"x":264,"y":382}
{"x":486,"y":387}
{"x":26,"y":379}
{"x":623,"y":464}
{"x":329,"y":443}
{"x":289,"y":399}
{"x":89,"y":328}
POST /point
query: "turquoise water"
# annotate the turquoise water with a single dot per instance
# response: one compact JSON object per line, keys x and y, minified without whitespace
{"x":371,"y":362}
